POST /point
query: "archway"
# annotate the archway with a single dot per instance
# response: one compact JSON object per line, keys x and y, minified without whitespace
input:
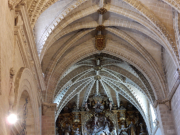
{"x":25,"y":115}
{"x":26,"y":103}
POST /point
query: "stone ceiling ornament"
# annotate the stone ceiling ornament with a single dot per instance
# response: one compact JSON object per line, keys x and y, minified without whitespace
{"x":102,"y":11}
{"x":97,"y":68}
{"x":100,"y":42}
{"x":97,"y":77}
{"x":100,"y":28}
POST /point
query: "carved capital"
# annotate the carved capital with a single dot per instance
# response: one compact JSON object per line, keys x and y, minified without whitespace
{"x":11,"y":4}
{"x":48,"y":107}
{"x":166,"y":102}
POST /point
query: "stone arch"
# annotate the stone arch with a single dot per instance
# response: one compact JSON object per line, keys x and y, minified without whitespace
{"x":175,"y":4}
{"x":158,"y":24}
{"x":37,"y":7}
{"x":25,"y":114}
{"x":25,"y":88}
{"x":61,"y":51}
{"x":77,"y":26}
{"x":112,"y":48}
{"x":132,"y":15}
{"x":128,"y":39}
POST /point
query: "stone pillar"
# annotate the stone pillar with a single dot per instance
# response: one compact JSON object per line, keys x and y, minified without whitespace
{"x":175,"y":105}
{"x":165,"y":120}
{"x":48,"y":119}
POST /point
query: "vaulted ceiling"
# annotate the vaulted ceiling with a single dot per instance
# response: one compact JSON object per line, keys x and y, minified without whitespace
{"x":139,"y":34}
{"x":103,"y":75}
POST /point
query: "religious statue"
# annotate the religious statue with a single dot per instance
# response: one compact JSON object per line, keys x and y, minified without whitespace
{"x":87,"y":129}
{"x":106,"y":122}
{"x":67,"y":129}
{"x":95,"y":118}
{"x":132,"y":129}
{"x":98,"y":107}
{"x":77,"y":132}
{"x":106,"y":129}
{"x":110,"y":105}
{"x":86,"y":106}
{"x":123,"y":130}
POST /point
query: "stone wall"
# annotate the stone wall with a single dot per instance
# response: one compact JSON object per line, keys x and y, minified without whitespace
{"x":175,"y":103}
{"x":48,"y":119}
{"x":18,"y":50}
{"x":6,"y":49}
{"x":166,"y":120}
{"x":17,"y":54}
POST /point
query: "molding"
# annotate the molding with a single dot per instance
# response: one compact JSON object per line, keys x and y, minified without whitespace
{"x":27,"y":34}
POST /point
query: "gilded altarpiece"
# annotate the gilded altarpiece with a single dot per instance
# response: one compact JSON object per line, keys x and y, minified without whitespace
{"x":99,"y":116}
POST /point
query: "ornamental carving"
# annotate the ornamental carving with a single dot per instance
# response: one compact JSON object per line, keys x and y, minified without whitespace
{"x":100,"y":42}
{"x":102,"y":11}
{"x":100,"y":28}
{"x":13,"y":3}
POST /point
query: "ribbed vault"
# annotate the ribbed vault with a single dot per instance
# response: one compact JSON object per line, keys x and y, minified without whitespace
{"x":129,"y":67}
{"x":103,"y":74}
{"x":139,"y":63}
{"x":134,"y":35}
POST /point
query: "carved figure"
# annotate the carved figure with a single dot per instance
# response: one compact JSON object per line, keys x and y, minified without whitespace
{"x":106,"y":129}
{"x":123,"y":130}
{"x":106,"y":122}
{"x":98,"y":107}
{"x":110,"y":105}
{"x":11,"y":89}
{"x":67,"y":129}
{"x":87,"y":130}
{"x":86,"y":106}
{"x":95,"y":118}
{"x":77,"y":132}
{"x":132,"y":129}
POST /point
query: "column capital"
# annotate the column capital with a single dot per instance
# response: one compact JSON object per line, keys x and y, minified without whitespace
{"x":48,"y":106}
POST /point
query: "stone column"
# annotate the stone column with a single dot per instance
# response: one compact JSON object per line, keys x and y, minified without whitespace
{"x":175,"y":105}
{"x":165,"y":120}
{"x":48,"y":119}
